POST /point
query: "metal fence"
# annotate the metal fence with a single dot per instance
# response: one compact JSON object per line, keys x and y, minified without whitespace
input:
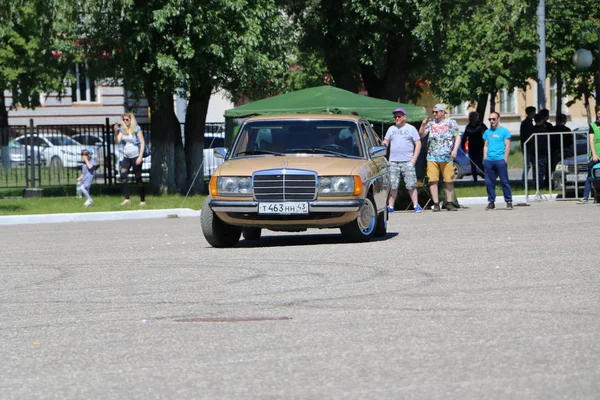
{"x":50,"y":155}
{"x":558,"y":162}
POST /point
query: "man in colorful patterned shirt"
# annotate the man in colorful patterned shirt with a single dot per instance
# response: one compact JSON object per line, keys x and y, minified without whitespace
{"x":443,"y":144}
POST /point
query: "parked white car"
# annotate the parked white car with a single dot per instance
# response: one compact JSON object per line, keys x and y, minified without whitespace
{"x":96,"y":142}
{"x":18,"y":154}
{"x":212,"y":141}
{"x":58,"y":150}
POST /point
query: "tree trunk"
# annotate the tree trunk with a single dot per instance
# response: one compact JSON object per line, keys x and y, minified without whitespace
{"x":3,"y":111}
{"x":195,"y":120}
{"x":481,"y":106}
{"x":559,"y":94}
{"x":164,"y":172}
{"x":3,"y":125}
{"x":392,"y":86}
{"x":341,"y":56}
{"x":493,"y":93}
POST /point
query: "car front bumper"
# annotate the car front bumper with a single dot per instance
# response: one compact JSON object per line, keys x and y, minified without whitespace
{"x":321,"y":214}
{"x":316,"y":206}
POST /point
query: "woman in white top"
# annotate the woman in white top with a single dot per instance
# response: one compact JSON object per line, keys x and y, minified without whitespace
{"x":130,"y":134}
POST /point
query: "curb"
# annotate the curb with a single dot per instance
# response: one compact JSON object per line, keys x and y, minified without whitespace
{"x":98,"y":216}
{"x":500,"y":199}
{"x":173,"y":213}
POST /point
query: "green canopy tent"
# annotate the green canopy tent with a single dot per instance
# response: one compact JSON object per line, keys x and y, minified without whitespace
{"x":324,"y":100}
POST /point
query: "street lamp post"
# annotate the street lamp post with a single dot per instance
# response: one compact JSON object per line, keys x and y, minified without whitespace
{"x":583,"y":59}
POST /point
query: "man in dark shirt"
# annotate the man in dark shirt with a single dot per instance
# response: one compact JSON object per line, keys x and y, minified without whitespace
{"x":525,"y":133}
{"x":539,"y":145}
{"x":556,"y":144}
{"x":474,"y":136}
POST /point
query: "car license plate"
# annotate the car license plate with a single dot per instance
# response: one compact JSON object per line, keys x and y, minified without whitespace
{"x":580,"y":177}
{"x":287,"y":207}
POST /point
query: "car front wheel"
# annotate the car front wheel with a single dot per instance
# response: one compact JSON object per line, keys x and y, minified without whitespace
{"x":362,"y":228}
{"x":216,"y":232}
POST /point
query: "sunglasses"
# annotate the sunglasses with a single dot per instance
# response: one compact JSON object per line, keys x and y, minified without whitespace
{"x":399,"y":116}
{"x":435,"y":111}
{"x":492,"y":119}
{"x":125,"y":119}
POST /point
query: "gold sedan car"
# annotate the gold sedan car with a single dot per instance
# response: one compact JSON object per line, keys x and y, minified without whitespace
{"x":294,"y":172}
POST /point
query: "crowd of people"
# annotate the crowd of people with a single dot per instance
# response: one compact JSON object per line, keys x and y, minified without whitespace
{"x":488,"y":150}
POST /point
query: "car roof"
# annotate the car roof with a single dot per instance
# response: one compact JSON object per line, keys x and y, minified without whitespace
{"x":334,"y":117}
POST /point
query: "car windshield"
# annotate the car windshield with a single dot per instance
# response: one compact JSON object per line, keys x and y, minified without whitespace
{"x":62,"y":141}
{"x":326,"y":137}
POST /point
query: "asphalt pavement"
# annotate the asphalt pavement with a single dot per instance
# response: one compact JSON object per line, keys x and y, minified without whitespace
{"x":451,"y":305}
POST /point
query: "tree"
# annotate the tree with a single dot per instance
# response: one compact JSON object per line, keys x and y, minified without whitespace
{"x":476,"y":48}
{"x":564,"y":25}
{"x":30,"y":35}
{"x":163,"y":47}
{"x":366,"y":42}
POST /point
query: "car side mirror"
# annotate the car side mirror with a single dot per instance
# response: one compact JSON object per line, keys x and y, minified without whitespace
{"x":220,"y":152}
{"x":378,"y":151}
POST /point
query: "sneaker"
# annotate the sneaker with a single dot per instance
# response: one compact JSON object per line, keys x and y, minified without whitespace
{"x":418,"y":208}
{"x":450,"y":206}
{"x":490,"y":206}
{"x":509,"y":205}
{"x":142,"y":203}
{"x":436,"y":207}
{"x":88,"y":203}
{"x":390,"y":209}
{"x":583,"y":200}
{"x":126,"y":202}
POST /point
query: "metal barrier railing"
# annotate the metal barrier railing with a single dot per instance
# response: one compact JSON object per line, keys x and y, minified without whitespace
{"x":554,"y":150}
{"x":28,"y":158}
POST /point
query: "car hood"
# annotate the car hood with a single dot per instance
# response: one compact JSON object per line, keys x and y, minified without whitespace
{"x":74,"y":149}
{"x":322,"y":165}
{"x":581,"y":159}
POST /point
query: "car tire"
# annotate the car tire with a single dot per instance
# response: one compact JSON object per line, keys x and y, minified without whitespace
{"x":56,"y":162}
{"x":216,"y":232}
{"x":458,"y":171}
{"x":362,"y":229}
{"x":382,"y":219}
{"x":251,"y":233}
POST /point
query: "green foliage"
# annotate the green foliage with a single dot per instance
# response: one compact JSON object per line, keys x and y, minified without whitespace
{"x":568,"y":29}
{"x":30,"y":33}
{"x":476,"y":47}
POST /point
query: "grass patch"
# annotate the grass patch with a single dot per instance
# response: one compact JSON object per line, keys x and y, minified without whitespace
{"x":60,"y":205}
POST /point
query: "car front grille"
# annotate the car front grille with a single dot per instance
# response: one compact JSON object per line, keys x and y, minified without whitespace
{"x":284,"y":185}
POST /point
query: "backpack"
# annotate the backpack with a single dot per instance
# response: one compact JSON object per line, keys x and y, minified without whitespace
{"x":146,"y":141}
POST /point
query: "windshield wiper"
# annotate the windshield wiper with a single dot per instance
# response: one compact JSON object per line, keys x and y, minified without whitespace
{"x":255,"y":152}
{"x":315,"y":150}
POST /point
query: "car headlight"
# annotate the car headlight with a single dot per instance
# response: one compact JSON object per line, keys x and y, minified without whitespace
{"x":234,"y":185}
{"x":561,"y":167}
{"x":596,"y":172}
{"x":339,"y":185}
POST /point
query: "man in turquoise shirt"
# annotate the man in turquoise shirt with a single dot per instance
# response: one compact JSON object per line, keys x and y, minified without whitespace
{"x":495,"y":161}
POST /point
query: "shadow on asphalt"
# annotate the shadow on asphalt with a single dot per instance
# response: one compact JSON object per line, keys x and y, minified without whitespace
{"x":303,"y":240}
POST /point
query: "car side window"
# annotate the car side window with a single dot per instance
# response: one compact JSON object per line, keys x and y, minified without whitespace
{"x":366,"y":134}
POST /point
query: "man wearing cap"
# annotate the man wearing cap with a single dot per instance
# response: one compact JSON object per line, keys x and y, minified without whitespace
{"x":444,"y":141}
{"x":405,"y":146}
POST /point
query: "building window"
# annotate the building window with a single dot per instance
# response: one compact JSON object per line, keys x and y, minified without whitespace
{"x":460,"y":110}
{"x":507,"y":101}
{"x":83,"y":88}
{"x":553,"y":98}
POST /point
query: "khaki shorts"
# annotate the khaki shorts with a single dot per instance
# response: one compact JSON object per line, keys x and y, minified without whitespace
{"x":446,"y":168}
